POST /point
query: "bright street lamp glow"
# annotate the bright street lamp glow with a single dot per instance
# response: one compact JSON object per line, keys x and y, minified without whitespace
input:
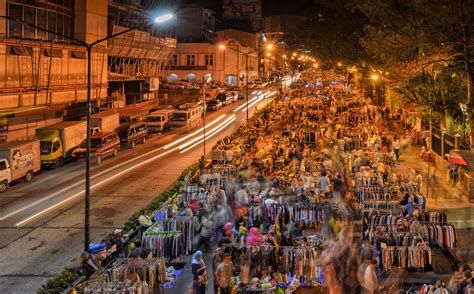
{"x":269,"y":46}
{"x":268,"y":54}
{"x":374,"y":77}
{"x":163,"y":18}
{"x":222,"y":47}
{"x":339,"y":64}
{"x":294,"y":54}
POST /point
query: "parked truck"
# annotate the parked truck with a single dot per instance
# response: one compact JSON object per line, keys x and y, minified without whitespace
{"x":58,"y":141}
{"x":18,"y":160}
{"x":106,"y":121}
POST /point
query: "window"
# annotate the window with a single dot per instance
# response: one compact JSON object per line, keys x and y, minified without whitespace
{"x":18,"y":50}
{"x":141,"y":128}
{"x":209,"y":59}
{"x":190,"y":60}
{"x":56,"y":146}
{"x":14,"y":27}
{"x":29,"y":17}
{"x":53,"y":52}
{"x":175,"y":60}
{"x":57,"y":18}
{"x":77,"y":54}
{"x":3,"y":165}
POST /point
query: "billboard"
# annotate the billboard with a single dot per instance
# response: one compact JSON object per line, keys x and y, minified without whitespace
{"x":244,"y":9}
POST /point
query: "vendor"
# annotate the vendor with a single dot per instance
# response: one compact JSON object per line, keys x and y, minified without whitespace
{"x":411,"y":206}
{"x":296,"y":231}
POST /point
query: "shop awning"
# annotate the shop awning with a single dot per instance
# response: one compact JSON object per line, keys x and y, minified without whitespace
{"x":462,"y":157}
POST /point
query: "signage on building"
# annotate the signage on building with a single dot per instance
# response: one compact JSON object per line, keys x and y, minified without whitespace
{"x":244,"y":9}
{"x":154,"y":84}
{"x":3,"y":129}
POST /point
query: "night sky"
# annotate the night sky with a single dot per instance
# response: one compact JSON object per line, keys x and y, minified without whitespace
{"x":270,"y":7}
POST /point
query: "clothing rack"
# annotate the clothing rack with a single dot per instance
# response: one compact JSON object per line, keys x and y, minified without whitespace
{"x":128,"y":287}
{"x":301,"y":261}
{"x":308,"y":214}
{"x":406,"y":257}
{"x":164,"y":244}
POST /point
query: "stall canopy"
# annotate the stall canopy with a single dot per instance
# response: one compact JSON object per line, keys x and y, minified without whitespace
{"x":462,"y":157}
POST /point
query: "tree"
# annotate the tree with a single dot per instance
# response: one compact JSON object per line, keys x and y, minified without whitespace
{"x":331,"y":32}
{"x":414,"y":38}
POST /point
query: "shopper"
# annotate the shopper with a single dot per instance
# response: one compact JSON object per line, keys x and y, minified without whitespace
{"x":224,"y":274}
{"x":323,"y":184}
{"x":241,"y":197}
{"x":206,"y":232}
{"x":199,"y":270}
{"x":254,"y":237}
{"x":411,"y":206}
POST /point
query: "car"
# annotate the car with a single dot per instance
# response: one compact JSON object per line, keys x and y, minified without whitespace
{"x":233,"y":95}
{"x":241,"y":95}
{"x":224,"y":98}
{"x":187,"y":84}
{"x":102,"y":145}
{"x":132,"y":133}
{"x":214,"y":105}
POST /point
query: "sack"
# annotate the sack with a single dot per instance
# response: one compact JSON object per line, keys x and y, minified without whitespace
{"x":196,"y":240}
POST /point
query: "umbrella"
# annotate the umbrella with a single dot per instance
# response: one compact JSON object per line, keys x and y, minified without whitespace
{"x":455,"y":158}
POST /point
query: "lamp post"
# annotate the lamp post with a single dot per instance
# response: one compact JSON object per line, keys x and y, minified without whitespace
{"x":204,"y":116}
{"x":89,"y":46}
{"x":247,"y":54}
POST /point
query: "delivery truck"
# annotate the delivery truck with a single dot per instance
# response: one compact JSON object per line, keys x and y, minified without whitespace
{"x":19,"y":160}
{"x":106,"y":121}
{"x":58,"y":141}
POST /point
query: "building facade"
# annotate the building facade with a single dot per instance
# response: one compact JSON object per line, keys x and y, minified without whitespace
{"x":43,"y":75}
{"x":196,"y":62}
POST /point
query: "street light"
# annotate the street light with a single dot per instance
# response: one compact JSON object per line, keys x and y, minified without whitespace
{"x":89,"y":46}
{"x":204,"y":116}
{"x":339,"y":64}
{"x":247,"y":54}
{"x":164,"y":18}
{"x":374,"y":77}
{"x":269,"y":47}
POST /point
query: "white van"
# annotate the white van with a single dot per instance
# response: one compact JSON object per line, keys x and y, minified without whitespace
{"x":159,"y":120}
{"x":190,"y":117}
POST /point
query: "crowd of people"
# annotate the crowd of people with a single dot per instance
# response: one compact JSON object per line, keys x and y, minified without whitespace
{"x":281,"y":197}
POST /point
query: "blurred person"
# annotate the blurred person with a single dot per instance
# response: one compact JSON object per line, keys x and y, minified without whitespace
{"x":199,"y":270}
{"x":206,"y":232}
{"x":224,"y":273}
{"x":254,"y":237}
{"x":411,"y":206}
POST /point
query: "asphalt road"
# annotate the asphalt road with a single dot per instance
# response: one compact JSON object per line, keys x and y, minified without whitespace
{"x":41,"y":222}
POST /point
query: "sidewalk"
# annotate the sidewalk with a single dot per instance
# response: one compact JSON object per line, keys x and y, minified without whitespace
{"x":442,"y":195}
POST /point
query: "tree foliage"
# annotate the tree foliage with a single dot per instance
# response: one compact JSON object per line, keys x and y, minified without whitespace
{"x":426,"y":47}
{"x":331,"y":32}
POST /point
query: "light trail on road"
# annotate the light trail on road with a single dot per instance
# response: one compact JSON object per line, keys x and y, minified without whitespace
{"x":28,"y":219}
{"x":187,"y":145}
{"x":250,"y":101}
{"x":208,"y":133}
{"x":211,"y":135}
{"x":194,"y":133}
